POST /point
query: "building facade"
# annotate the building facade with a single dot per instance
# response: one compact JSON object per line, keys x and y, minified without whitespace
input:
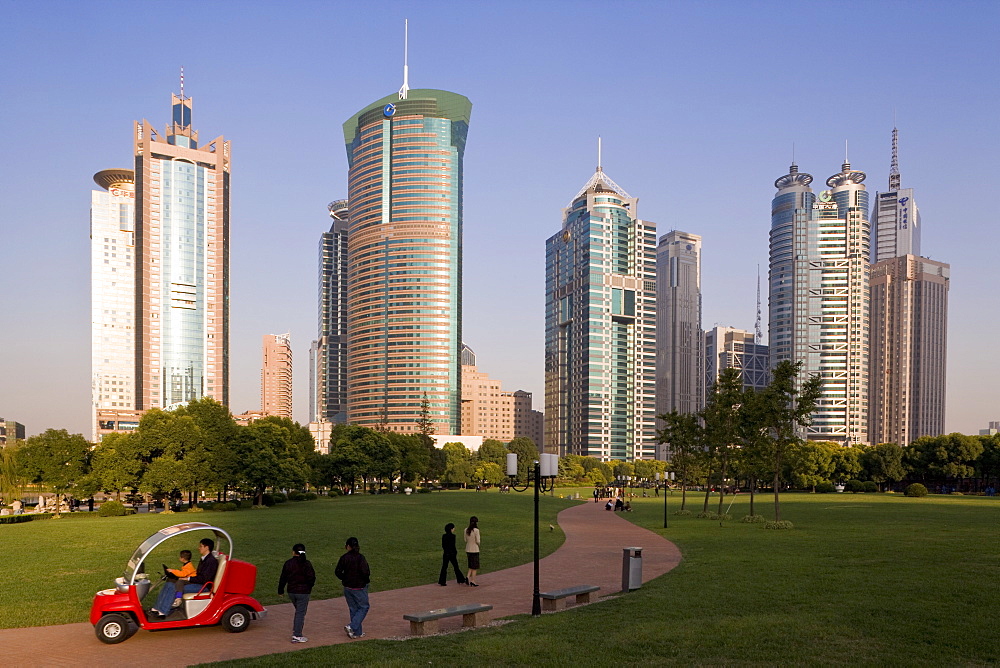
{"x":528,"y":422}
{"x":731,"y":348}
{"x":818,"y":295}
{"x":328,"y":359}
{"x":276,"y":376}
{"x":600,"y":300}
{"x":404,"y":285}
{"x":895,"y":216}
{"x":680,"y":344}
{"x":160,"y":273}
{"x":909,"y":332}
{"x":10,"y":431}
{"x":487,"y":410}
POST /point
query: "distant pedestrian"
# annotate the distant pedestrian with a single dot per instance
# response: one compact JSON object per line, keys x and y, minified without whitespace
{"x":596,"y":494}
{"x":298,"y":575}
{"x":472,"y":550}
{"x":353,"y":571}
{"x":450,"y":556}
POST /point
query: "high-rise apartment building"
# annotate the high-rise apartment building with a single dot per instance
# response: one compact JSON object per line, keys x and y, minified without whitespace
{"x":528,"y":422}
{"x":328,"y":356}
{"x":404,"y":248}
{"x":818,"y":295}
{"x":167,"y":317}
{"x":10,"y":431}
{"x":487,"y":410}
{"x":909,"y":322}
{"x":731,"y":348}
{"x":680,"y":352}
{"x":276,"y":376}
{"x":600,"y":299}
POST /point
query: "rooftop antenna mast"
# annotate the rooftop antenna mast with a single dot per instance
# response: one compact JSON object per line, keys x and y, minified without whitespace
{"x":894,"y":168}
{"x":756,"y":329}
{"x":182,"y":83}
{"x":405,"y":88}
{"x":599,"y":153}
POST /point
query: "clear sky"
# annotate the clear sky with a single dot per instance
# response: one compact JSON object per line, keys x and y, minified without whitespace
{"x":698,"y":104}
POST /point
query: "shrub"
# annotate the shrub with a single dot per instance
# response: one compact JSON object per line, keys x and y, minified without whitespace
{"x":724,"y":517}
{"x":27,"y":517}
{"x":224,"y":507}
{"x":196,"y":509}
{"x":915,"y":489}
{"x":705,"y":516}
{"x":869,"y":486}
{"x":279,"y":497}
{"x":267,"y":500}
{"x":424,"y":490}
{"x":111,"y":509}
{"x":957,"y":494}
{"x":854,"y":486}
{"x":682,"y":512}
{"x":296,"y":496}
{"x":782,"y":524}
{"x":825,"y":488}
{"x":311,"y":496}
{"x":753,"y":519}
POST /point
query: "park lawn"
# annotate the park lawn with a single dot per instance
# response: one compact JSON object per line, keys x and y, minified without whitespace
{"x":59,"y":564}
{"x":867,"y":579}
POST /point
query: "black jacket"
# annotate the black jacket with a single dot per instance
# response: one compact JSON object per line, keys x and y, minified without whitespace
{"x":207,"y":568}
{"x":299,"y":575}
{"x":448,"y":544}
{"x":352,"y":570}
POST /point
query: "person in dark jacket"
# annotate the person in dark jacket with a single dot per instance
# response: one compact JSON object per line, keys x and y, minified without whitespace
{"x":450,"y":556}
{"x":207,"y":568}
{"x":298,"y":575}
{"x":353,"y":571}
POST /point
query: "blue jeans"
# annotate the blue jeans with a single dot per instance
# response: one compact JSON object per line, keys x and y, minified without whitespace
{"x":357,"y":603}
{"x":169,"y":592}
{"x":301,"y":603}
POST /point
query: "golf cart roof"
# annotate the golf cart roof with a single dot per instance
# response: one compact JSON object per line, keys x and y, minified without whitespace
{"x":135,"y":562}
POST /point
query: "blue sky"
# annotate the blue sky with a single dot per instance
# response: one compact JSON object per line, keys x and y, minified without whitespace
{"x":698,"y":104}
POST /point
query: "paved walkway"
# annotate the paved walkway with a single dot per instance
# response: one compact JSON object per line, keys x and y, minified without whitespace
{"x":592,"y":554}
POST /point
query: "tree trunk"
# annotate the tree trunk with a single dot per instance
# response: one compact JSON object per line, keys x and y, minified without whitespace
{"x":722,"y":489}
{"x":708,"y":490}
{"x":777,"y":506}
{"x":753,"y":488}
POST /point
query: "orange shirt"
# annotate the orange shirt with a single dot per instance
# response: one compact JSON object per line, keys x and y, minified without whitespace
{"x":185,"y":571}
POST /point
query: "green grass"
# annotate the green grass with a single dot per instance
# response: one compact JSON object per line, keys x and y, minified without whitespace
{"x":866,"y":579}
{"x":59,"y":564}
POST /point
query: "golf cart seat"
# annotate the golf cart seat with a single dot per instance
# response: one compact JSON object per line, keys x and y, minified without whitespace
{"x":195,"y":602}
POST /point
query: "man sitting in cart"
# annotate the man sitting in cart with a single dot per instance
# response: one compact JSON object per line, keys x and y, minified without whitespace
{"x":170,"y":595}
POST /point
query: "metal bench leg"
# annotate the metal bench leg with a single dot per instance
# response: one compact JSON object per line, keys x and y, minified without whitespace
{"x":550,"y":604}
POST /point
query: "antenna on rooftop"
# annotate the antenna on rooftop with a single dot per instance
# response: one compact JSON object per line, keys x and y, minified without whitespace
{"x":405,"y":88}
{"x":894,"y":167}
{"x":599,"y":153}
{"x":756,"y":329}
{"x":182,"y":82}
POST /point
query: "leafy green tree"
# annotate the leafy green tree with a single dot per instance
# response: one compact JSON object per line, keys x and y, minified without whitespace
{"x":458,"y":467}
{"x":173,"y":444}
{"x":117,"y":463}
{"x":13,"y":476}
{"x":721,"y":425}
{"x":490,"y":472}
{"x":527,"y":455}
{"x":57,"y":459}
{"x":215,"y":464}
{"x":644,"y":469}
{"x":883,"y":463}
{"x":623,"y":469}
{"x":751,"y":460}
{"x":947,"y":456}
{"x":268,"y":458}
{"x":682,"y":433}
{"x":596,"y":477}
{"x":414,"y":458}
{"x":494,"y":451}
{"x":846,"y":464}
{"x":811,"y":463}
{"x":988,"y":465}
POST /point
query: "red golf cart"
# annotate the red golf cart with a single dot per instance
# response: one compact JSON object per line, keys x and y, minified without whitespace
{"x":118,"y":613}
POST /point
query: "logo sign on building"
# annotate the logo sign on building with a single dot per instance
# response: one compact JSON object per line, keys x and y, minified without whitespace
{"x":388,"y":110}
{"x":121,"y":192}
{"x":904,"y":213}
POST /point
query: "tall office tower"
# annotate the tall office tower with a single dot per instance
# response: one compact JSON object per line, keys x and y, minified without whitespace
{"x":527,"y":421}
{"x":112,"y":293}
{"x":600,"y":356}
{"x":909,"y":332}
{"x":182,"y":271}
{"x":819,"y":295}
{"x":404,"y":286}
{"x":276,"y":376}
{"x":487,"y":410}
{"x":731,"y":348}
{"x":468,"y":356}
{"x":328,"y":363}
{"x":680,"y":351}
{"x":895,"y":216}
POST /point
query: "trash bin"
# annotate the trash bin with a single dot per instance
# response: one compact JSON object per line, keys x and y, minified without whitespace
{"x":631,"y":568}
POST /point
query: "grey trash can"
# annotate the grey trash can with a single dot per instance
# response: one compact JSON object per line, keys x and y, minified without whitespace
{"x":631,"y":568}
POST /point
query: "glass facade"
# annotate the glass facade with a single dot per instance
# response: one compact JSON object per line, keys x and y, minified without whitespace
{"x":680,"y":353}
{"x":404,"y":267}
{"x":329,"y":399}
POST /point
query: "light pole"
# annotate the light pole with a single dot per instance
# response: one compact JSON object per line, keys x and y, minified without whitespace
{"x":543,"y":474}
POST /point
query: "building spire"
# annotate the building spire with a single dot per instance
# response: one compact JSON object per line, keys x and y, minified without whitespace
{"x":182,"y":82}
{"x":894,"y":167}
{"x":405,"y":88}
{"x":846,"y":167}
{"x":756,"y":328}
{"x":599,"y":154}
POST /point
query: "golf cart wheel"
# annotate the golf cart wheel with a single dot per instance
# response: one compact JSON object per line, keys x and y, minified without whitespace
{"x":114,"y":628}
{"x":236,"y":619}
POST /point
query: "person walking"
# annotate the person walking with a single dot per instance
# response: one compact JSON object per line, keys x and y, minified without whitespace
{"x":596,"y":494}
{"x":450,"y":556}
{"x":472,"y":550}
{"x":353,"y":571}
{"x":298,"y":575}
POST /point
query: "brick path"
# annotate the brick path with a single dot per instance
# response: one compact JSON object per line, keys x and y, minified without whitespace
{"x":592,"y":554}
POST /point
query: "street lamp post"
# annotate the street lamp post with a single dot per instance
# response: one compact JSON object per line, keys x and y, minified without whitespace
{"x":543,"y":474}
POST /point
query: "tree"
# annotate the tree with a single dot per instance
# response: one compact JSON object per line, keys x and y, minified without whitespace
{"x":683,"y":434}
{"x":494,"y":451}
{"x":883,"y":463}
{"x":846,"y":464}
{"x":752,"y":459}
{"x":811,"y":463}
{"x":721,"y":424}
{"x":268,"y":458}
{"x":786,"y":410}
{"x":490,"y":472}
{"x":170,"y":444}
{"x":13,"y":476}
{"x":56,"y":458}
{"x":527,"y":455}
{"x":458,"y":467}
{"x":946,"y":456}
{"x":425,"y":426}
{"x":215,"y":464}
{"x":414,"y":458}
{"x":117,"y":463}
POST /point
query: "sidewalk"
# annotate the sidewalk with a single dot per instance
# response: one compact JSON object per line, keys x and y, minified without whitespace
{"x":592,"y":554}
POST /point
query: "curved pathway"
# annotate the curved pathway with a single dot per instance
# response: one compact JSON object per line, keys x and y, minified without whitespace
{"x":592,"y":554}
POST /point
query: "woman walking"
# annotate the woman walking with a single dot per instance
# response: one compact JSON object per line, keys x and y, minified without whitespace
{"x":450,"y":556}
{"x":472,"y":550}
{"x":298,"y":575}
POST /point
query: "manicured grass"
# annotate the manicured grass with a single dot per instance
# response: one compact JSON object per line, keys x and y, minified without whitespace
{"x":59,"y":564}
{"x":866,"y":579}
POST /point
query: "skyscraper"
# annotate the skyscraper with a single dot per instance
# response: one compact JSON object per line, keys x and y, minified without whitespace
{"x":328,"y":363}
{"x":680,"y":356}
{"x":909,"y":322}
{"x":819,"y":295}
{"x":600,"y":287}
{"x":404,"y":247}
{"x":276,"y":376}
{"x":160,"y":274}
{"x":731,"y":348}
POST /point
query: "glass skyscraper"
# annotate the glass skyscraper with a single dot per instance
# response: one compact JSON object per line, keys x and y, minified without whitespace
{"x":404,"y":285}
{"x":818,"y":295}
{"x":600,"y":294}
{"x":680,"y":352}
{"x":328,"y":355}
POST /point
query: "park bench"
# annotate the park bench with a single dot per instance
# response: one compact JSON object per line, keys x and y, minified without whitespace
{"x":422,"y":623}
{"x":550,"y":599}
